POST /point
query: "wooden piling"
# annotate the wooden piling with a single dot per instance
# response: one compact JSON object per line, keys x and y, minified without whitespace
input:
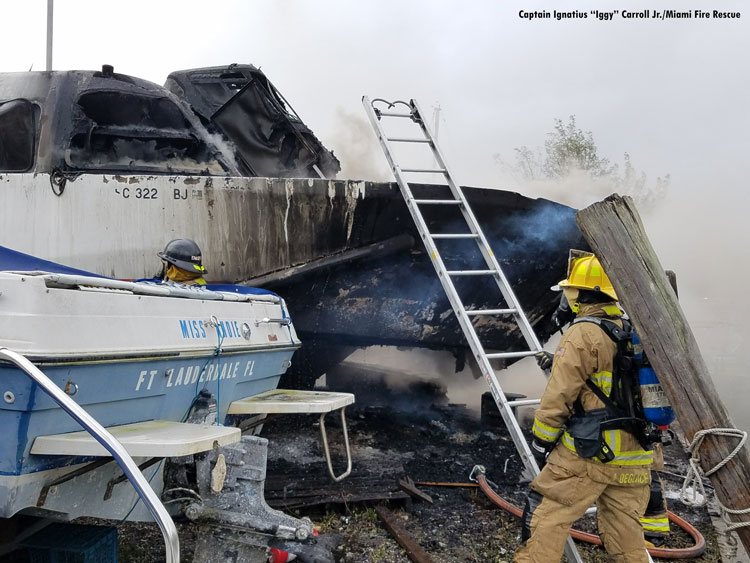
{"x":614,"y":231}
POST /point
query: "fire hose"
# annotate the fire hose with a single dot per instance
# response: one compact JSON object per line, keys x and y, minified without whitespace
{"x":661,"y":552}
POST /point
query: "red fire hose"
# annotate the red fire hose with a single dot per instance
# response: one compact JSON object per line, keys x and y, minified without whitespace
{"x":662,"y":552}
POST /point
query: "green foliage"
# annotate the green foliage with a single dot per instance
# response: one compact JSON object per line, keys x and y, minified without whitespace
{"x":633,"y":183}
{"x":369,"y":515}
{"x":568,"y":148}
{"x":329,"y":522}
{"x":379,"y":553}
{"x":571,"y":153}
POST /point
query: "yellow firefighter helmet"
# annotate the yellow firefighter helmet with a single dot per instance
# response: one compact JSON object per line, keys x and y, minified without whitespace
{"x":586,"y":272}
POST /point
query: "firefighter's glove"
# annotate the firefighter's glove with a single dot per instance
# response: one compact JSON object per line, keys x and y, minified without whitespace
{"x":540,"y":450}
{"x":544,"y":359}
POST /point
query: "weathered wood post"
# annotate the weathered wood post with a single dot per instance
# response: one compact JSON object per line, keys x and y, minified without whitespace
{"x":615,"y":232}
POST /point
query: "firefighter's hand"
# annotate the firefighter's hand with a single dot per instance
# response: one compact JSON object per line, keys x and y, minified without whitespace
{"x":544,"y":359}
{"x":540,"y":450}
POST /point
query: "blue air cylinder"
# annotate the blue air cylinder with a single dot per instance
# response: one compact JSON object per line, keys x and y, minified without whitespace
{"x":656,"y":405}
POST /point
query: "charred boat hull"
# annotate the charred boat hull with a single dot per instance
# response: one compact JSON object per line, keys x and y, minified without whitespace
{"x":345,"y":253}
{"x":102,"y":169}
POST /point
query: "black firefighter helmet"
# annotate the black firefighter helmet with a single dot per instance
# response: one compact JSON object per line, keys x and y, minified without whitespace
{"x":185,"y":254}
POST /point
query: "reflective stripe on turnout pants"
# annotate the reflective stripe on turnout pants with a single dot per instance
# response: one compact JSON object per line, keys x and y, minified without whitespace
{"x":567,"y":492}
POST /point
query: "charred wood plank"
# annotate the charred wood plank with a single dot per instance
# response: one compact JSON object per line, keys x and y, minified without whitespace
{"x":615,"y":232}
{"x":376,"y":250}
{"x":347,"y":499}
{"x":413,"y":550}
{"x":290,"y":485}
{"x":408,"y":486}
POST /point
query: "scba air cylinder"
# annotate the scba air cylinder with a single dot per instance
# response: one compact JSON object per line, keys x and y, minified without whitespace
{"x":656,"y":405}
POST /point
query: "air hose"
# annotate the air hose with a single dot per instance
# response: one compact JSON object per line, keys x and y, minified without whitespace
{"x":661,"y":552}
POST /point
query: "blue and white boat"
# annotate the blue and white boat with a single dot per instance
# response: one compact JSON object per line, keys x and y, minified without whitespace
{"x":134,"y":355}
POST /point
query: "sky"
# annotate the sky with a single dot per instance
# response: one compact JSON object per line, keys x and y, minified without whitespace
{"x":672,"y":93}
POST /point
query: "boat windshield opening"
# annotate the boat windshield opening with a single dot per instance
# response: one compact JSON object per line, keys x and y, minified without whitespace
{"x":121,"y":131}
{"x":17,"y":136}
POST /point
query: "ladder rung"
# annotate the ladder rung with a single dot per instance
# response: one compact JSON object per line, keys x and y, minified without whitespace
{"x":393,"y":114}
{"x":451,"y":235}
{"x":425,"y":170}
{"x":524,"y":402}
{"x":438,"y":201}
{"x":407,"y":140}
{"x":491,"y":312}
{"x":502,"y":355}
{"x":471,"y":272}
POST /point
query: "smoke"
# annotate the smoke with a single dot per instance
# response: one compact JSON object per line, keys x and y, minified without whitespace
{"x":701,"y":237}
{"x":531,"y":235}
{"x":695,"y":232}
{"x":404,"y":366}
{"x":580,"y":188}
{"x":226,"y":149}
{"x":357,"y":148}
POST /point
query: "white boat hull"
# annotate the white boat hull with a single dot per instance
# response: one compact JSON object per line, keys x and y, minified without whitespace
{"x":125,"y":358}
{"x":114,"y":225}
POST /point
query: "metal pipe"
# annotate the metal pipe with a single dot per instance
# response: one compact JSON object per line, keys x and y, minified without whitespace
{"x":524,"y":402}
{"x":149,"y":288}
{"x":129,"y":467}
{"x":283,"y":322}
{"x":50,"y":9}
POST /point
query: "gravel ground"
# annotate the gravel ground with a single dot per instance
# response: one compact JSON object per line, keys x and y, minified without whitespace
{"x":435,"y":442}
{"x":432,"y":441}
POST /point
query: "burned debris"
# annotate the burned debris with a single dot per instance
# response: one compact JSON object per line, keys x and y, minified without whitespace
{"x":119,"y":131}
{"x":345,"y":254}
{"x":220,"y":121}
{"x":268,"y":137}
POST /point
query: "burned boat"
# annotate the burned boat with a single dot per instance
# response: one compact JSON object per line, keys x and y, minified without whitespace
{"x":99,"y":170}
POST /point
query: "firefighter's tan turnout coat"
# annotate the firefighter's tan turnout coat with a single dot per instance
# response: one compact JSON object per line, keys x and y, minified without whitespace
{"x":569,"y":484}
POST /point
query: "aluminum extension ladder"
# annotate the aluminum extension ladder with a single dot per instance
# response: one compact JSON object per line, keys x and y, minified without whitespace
{"x":400,"y":110}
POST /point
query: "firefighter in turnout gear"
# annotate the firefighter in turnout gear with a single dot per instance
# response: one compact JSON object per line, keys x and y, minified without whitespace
{"x":655,"y":521}
{"x":588,"y":443}
{"x":183,"y":262}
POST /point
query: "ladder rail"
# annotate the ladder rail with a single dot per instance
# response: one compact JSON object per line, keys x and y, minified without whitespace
{"x":467,"y":327}
{"x":483,"y":243}
{"x":460,"y":198}
{"x":464,"y":319}
{"x":92,"y":426}
{"x":505,"y":406}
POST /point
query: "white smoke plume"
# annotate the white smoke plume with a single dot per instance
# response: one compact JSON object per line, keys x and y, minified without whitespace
{"x":702,"y":239}
{"x":357,"y":147}
{"x":697,"y":236}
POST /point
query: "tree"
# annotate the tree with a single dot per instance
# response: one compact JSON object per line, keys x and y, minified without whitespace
{"x":570,"y":152}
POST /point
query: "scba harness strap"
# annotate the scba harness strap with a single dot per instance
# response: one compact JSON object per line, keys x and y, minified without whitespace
{"x":623,"y":409}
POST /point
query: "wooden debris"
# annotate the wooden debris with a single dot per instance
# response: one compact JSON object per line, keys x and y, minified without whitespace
{"x":614,"y":231}
{"x":408,"y":486}
{"x":441,"y":484}
{"x":290,"y":485}
{"x":412,"y":548}
{"x":318,"y":498}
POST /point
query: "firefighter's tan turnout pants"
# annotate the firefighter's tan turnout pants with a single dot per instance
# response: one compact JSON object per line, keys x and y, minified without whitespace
{"x":567,"y":490}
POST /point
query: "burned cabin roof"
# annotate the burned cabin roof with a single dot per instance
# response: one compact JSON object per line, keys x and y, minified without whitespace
{"x":101,"y":121}
{"x":86,"y":121}
{"x":240,"y":103}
